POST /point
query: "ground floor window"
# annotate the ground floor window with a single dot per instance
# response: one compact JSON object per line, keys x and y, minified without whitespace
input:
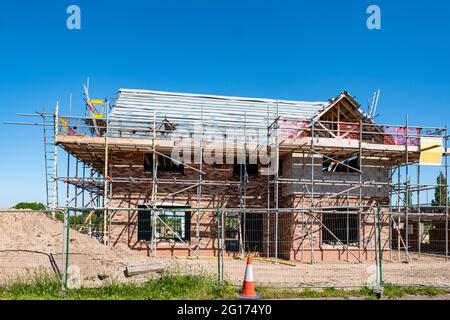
{"x":171,"y":224}
{"x":426,"y":229}
{"x":232,"y":233}
{"x":144,"y":226}
{"x":343,"y":225}
{"x":253,"y":231}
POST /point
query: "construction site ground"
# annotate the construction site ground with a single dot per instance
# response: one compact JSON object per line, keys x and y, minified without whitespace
{"x":32,"y":242}
{"x":428,"y":271}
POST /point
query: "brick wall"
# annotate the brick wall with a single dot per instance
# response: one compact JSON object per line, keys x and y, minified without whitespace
{"x":293,"y":243}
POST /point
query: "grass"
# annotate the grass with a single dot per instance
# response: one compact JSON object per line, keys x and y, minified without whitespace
{"x":178,"y":287}
{"x":307,"y":293}
{"x":39,"y":285}
{"x":390,"y":291}
{"x":394,"y":291}
{"x":42,"y":286}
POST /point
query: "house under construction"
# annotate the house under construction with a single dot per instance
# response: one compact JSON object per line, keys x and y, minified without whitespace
{"x":293,"y":180}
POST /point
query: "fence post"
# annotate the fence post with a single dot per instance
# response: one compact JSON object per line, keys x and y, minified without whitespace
{"x":222,"y":277}
{"x":446,"y":193}
{"x":65,"y":251}
{"x":218,"y":246}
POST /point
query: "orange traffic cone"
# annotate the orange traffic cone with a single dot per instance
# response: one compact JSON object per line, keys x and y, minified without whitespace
{"x":248,"y":289}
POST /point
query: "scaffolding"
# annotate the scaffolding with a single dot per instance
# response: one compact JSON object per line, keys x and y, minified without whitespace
{"x":326,"y":140}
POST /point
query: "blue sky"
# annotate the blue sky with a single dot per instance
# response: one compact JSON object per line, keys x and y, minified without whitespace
{"x":306,"y":50}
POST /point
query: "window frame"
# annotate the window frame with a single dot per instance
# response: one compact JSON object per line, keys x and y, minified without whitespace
{"x":148,"y":165}
{"x":250,"y":173}
{"x":232,"y":233}
{"x":328,"y":240}
{"x":327,"y":163}
{"x":186,"y":224}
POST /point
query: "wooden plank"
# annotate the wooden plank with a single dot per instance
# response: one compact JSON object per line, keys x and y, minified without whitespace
{"x":134,"y":270}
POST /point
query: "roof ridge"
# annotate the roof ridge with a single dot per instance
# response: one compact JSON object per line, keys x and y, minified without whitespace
{"x":222,"y":97}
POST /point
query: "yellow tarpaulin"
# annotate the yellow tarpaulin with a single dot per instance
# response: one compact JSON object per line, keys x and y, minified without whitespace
{"x":96,"y":101}
{"x":97,"y":114}
{"x":431,"y":151}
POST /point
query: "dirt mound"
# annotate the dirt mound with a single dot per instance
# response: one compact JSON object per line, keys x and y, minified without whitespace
{"x":34,"y":241}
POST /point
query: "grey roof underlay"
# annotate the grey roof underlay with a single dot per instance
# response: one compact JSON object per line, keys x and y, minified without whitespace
{"x":137,"y":109}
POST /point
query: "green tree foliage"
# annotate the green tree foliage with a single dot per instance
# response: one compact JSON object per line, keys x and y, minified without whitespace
{"x":80,"y":219}
{"x":30,"y":206}
{"x":409,"y":196}
{"x":440,"y":191}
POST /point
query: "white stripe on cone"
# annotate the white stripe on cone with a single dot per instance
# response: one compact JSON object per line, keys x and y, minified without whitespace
{"x":249,"y":273}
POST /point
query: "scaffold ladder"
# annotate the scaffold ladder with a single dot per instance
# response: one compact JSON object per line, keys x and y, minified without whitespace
{"x":51,"y":185}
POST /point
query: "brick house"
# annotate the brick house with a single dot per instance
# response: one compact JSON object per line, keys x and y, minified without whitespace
{"x":329,"y":166}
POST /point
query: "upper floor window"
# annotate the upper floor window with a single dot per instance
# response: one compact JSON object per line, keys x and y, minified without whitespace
{"x":164,"y":164}
{"x":341,"y":164}
{"x":239,"y":168}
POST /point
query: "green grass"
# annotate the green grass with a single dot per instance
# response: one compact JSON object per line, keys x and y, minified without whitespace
{"x":181,"y":287}
{"x":278,"y":293}
{"x":394,"y":291}
{"x":165,"y":288}
{"x":390,"y":291}
{"x":37,"y":285}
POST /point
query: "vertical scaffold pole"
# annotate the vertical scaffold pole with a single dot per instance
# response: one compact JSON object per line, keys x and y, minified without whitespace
{"x":311,"y":232}
{"x":55,"y":160}
{"x":91,"y":199}
{"x":277,"y":164}
{"x":105,"y":192}
{"x":360,"y":192}
{"x":375,"y":247}
{"x":390,"y":235}
{"x":67,"y":182}
{"x":154,"y":188}
{"x":76,"y":191}
{"x":199,"y":188}
{"x":380,"y":249}
{"x":268,"y":182}
{"x":243,"y":192}
{"x":84,"y":184}
{"x":407,"y":190}
{"x":419,"y":229}
{"x":399,"y":216}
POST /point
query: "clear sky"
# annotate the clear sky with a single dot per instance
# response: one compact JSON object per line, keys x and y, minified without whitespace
{"x":305,"y":50}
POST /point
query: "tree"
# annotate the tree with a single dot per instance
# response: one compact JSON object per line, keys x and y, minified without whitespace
{"x":409,"y":196}
{"x":440,"y":191}
{"x":30,"y":206}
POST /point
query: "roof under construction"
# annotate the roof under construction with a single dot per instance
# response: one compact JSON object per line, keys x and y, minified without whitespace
{"x":138,"y":108}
